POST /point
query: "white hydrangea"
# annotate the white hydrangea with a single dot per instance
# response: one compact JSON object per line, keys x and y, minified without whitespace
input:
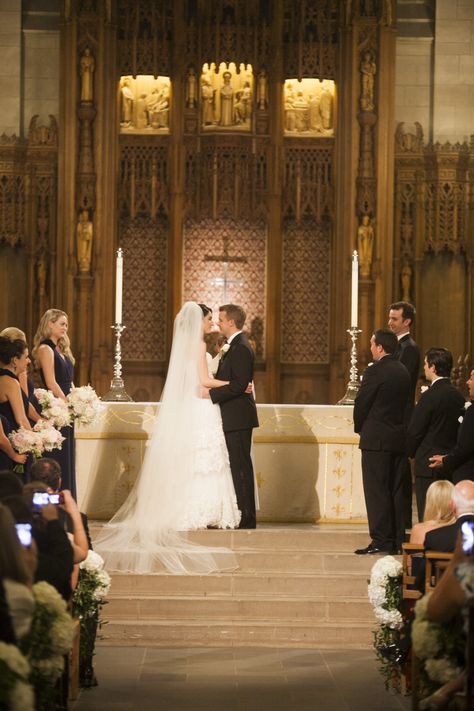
{"x":48,"y":596}
{"x":62,"y":633}
{"x":389,"y":618}
{"x":22,"y":697}
{"x":441,"y":671}
{"x":93,"y":562}
{"x":421,"y":607}
{"x":425,"y":639}
{"x":103,"y":587}
{"x":13,"y":658}
{"x":52,"y":667}
{"x":377,"y":594}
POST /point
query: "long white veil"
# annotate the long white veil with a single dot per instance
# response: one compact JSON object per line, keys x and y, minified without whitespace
{"x":142,"y":536}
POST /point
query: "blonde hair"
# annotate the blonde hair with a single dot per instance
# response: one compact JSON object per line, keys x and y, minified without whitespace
{"x":43,"y":331}
{"x":13,"y":333}
{"x":12,"y":563}
{"x":438,"y":502}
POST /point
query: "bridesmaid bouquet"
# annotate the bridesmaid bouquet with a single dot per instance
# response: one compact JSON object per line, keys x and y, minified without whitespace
{"x":27,"y":442}
{"x":84,"y":404}
{"x":53,"y":409}
{"x":51,"y":437}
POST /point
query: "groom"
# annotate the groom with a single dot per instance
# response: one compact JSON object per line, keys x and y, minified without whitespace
{"x":239,"y":414}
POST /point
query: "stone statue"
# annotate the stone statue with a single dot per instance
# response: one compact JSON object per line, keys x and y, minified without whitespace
{"x":158,"y":104}
{"x":191,"y":90}
{"x":365,"y":246}
{"x":84,"y":234}
{"x":208,"y":104}
{"x":314,"y":116}
{"x":227,"y":101}
{"x":127,"y":102}
{"x":406,"y":275}
{"x":262,"y":99}
{"x":368,"y":69}
{"x":243,"y":105}
{"x":141,"y":114}
{"x":325,"y":109}
{"x":87,"y":71}
{"x":300,"y":106}
{"x":290,"y":114}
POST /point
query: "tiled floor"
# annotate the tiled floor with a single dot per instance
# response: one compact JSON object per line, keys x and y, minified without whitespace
{"x":237,"y":679}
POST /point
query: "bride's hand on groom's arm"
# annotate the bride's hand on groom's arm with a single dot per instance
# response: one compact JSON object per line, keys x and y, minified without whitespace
{"x":249,"y":389}
{"x":204,"y":393}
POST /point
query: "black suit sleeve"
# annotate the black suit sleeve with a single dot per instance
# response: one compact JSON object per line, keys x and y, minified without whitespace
{"x":365,"y":397}
{"x":419,"y":424}
{"x":241,"y":375}
{"x":464,"y":449}
{"x":55,"y":558}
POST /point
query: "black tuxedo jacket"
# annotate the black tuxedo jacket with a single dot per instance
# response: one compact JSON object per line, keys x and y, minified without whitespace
{"x":238,"y":408}
{"x":408,"y":353}
{"x":460,"y":460}
{"x":379,"y":408}
{"x":444,"y":539}
{"x":434,"y":425}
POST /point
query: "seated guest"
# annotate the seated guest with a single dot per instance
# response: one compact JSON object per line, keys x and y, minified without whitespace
{"x":434,"y":423}
{"x":460,"y":460}
{"x":443,"y":539}
{"x":438,"y":511}
{"x":48,"y":472}
{"x":10,"y":484}
{"x":16,"y":577}
{"x":7,"y":633}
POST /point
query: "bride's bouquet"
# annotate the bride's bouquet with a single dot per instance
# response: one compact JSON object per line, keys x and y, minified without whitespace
{"x":53,"y":408}
{"x":84,"y":404}
{"x":51,"y":437}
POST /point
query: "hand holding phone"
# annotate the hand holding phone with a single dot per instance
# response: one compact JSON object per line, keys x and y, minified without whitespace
{"x":23,"y":531}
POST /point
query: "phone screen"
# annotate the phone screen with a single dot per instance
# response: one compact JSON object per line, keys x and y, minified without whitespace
{"x":54,"y":498}
{"x":467,"y":529}
{"x":23,"y":531}
{"x":40,"y":498}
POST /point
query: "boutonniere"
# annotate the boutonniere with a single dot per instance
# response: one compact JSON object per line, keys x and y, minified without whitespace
{"x":467,"y":404}
{"x":424,"y":388}
{"x":224,"y":349}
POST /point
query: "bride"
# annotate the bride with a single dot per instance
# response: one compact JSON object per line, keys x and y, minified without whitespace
{"x":185,"y":482}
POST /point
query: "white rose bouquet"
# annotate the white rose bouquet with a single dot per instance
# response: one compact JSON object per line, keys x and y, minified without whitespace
{"x":385,"y":594}
{"x":439,"y":648}
{"x":84,"y":404}
{"x":16,"y":693}
{"x":51,"y":437}
{"x":53,"y":409}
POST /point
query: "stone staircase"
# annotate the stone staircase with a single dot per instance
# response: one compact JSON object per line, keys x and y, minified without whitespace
{"x":297,"y":586}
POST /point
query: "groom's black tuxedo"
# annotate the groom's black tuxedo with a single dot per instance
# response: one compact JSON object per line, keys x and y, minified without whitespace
{"x":239,"y":417}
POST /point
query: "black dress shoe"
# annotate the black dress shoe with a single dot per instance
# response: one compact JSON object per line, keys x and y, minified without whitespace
{"x":371,"y":550}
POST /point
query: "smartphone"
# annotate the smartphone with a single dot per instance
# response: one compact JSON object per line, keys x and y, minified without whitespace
{"x":42,"y":498}
{"x":467,"y":529}
{"x":23,"y":531}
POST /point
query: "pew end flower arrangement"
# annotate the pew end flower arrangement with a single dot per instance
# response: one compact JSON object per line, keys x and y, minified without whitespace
{"x":89,"y":597}
{"x":16,"y":692}
{"x":390,"y":643}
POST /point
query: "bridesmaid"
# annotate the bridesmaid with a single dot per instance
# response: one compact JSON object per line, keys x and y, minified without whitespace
{"x":14,"y":403}
{"x":52,"y":354}
{"x":34,"y":408}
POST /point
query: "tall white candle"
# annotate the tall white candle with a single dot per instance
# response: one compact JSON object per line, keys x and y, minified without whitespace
{"x":118,"y":286}
{"x":354,"y":290}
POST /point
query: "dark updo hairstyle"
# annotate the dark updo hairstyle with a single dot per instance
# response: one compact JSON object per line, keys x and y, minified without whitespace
{"x":11,"y":349}
{"x":205,"y":310}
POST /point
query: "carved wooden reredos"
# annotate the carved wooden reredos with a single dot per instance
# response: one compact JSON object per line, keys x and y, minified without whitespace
{"x":235,"y":149}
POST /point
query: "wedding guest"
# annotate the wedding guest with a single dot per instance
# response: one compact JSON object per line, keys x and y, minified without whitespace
{"x":34,"y":409}
{"x":16,"y":577}
{"x":460,"y":460}
{"x":14,"y":403}
{"x":438,"y":510}
{"x":444,"y":539}
{"x":52,"y":353}
{"x":434,"y":423}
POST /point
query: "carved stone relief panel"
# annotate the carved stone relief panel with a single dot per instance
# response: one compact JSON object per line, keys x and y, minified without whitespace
{"x":145,"y":104}
{"x":227,"y":97}
{"x":306,"y":292}
{"x":308,"y":107}
{"x":145,"y":249}
{"x":225,"y":261}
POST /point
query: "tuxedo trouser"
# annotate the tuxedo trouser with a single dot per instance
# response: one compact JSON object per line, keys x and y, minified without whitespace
{"x":239,"y":443}
{"x":407,"y":493}
{"x":382,"y":476}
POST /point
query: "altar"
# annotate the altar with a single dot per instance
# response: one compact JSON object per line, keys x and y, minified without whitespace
{"x":306,"y":460}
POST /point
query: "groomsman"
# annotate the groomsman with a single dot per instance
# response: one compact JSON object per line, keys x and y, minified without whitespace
{"x":238,"y":410}
{"x":401,"y":316}
{"x":460,"y":460}
{"x":379,"y":418}
{"x":434,"y":423}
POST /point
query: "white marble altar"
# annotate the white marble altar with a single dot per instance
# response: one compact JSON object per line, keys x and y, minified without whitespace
{"x":306,"y":458}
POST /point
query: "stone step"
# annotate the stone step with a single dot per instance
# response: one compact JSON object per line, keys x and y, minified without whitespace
{"x":316,"y":608}
{"x":241,"y":585}
{"x":227,"y":633}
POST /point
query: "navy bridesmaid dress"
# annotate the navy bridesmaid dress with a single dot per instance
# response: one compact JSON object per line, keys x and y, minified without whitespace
{"x":5,"y":461}
{"x":10,"y":424}
{"x":64,"y":375}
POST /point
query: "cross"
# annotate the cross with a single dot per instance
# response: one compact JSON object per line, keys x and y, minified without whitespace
{"x":225,"y":259}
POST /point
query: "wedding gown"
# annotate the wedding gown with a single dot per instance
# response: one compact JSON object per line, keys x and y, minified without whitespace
{"x":185,"y":482}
